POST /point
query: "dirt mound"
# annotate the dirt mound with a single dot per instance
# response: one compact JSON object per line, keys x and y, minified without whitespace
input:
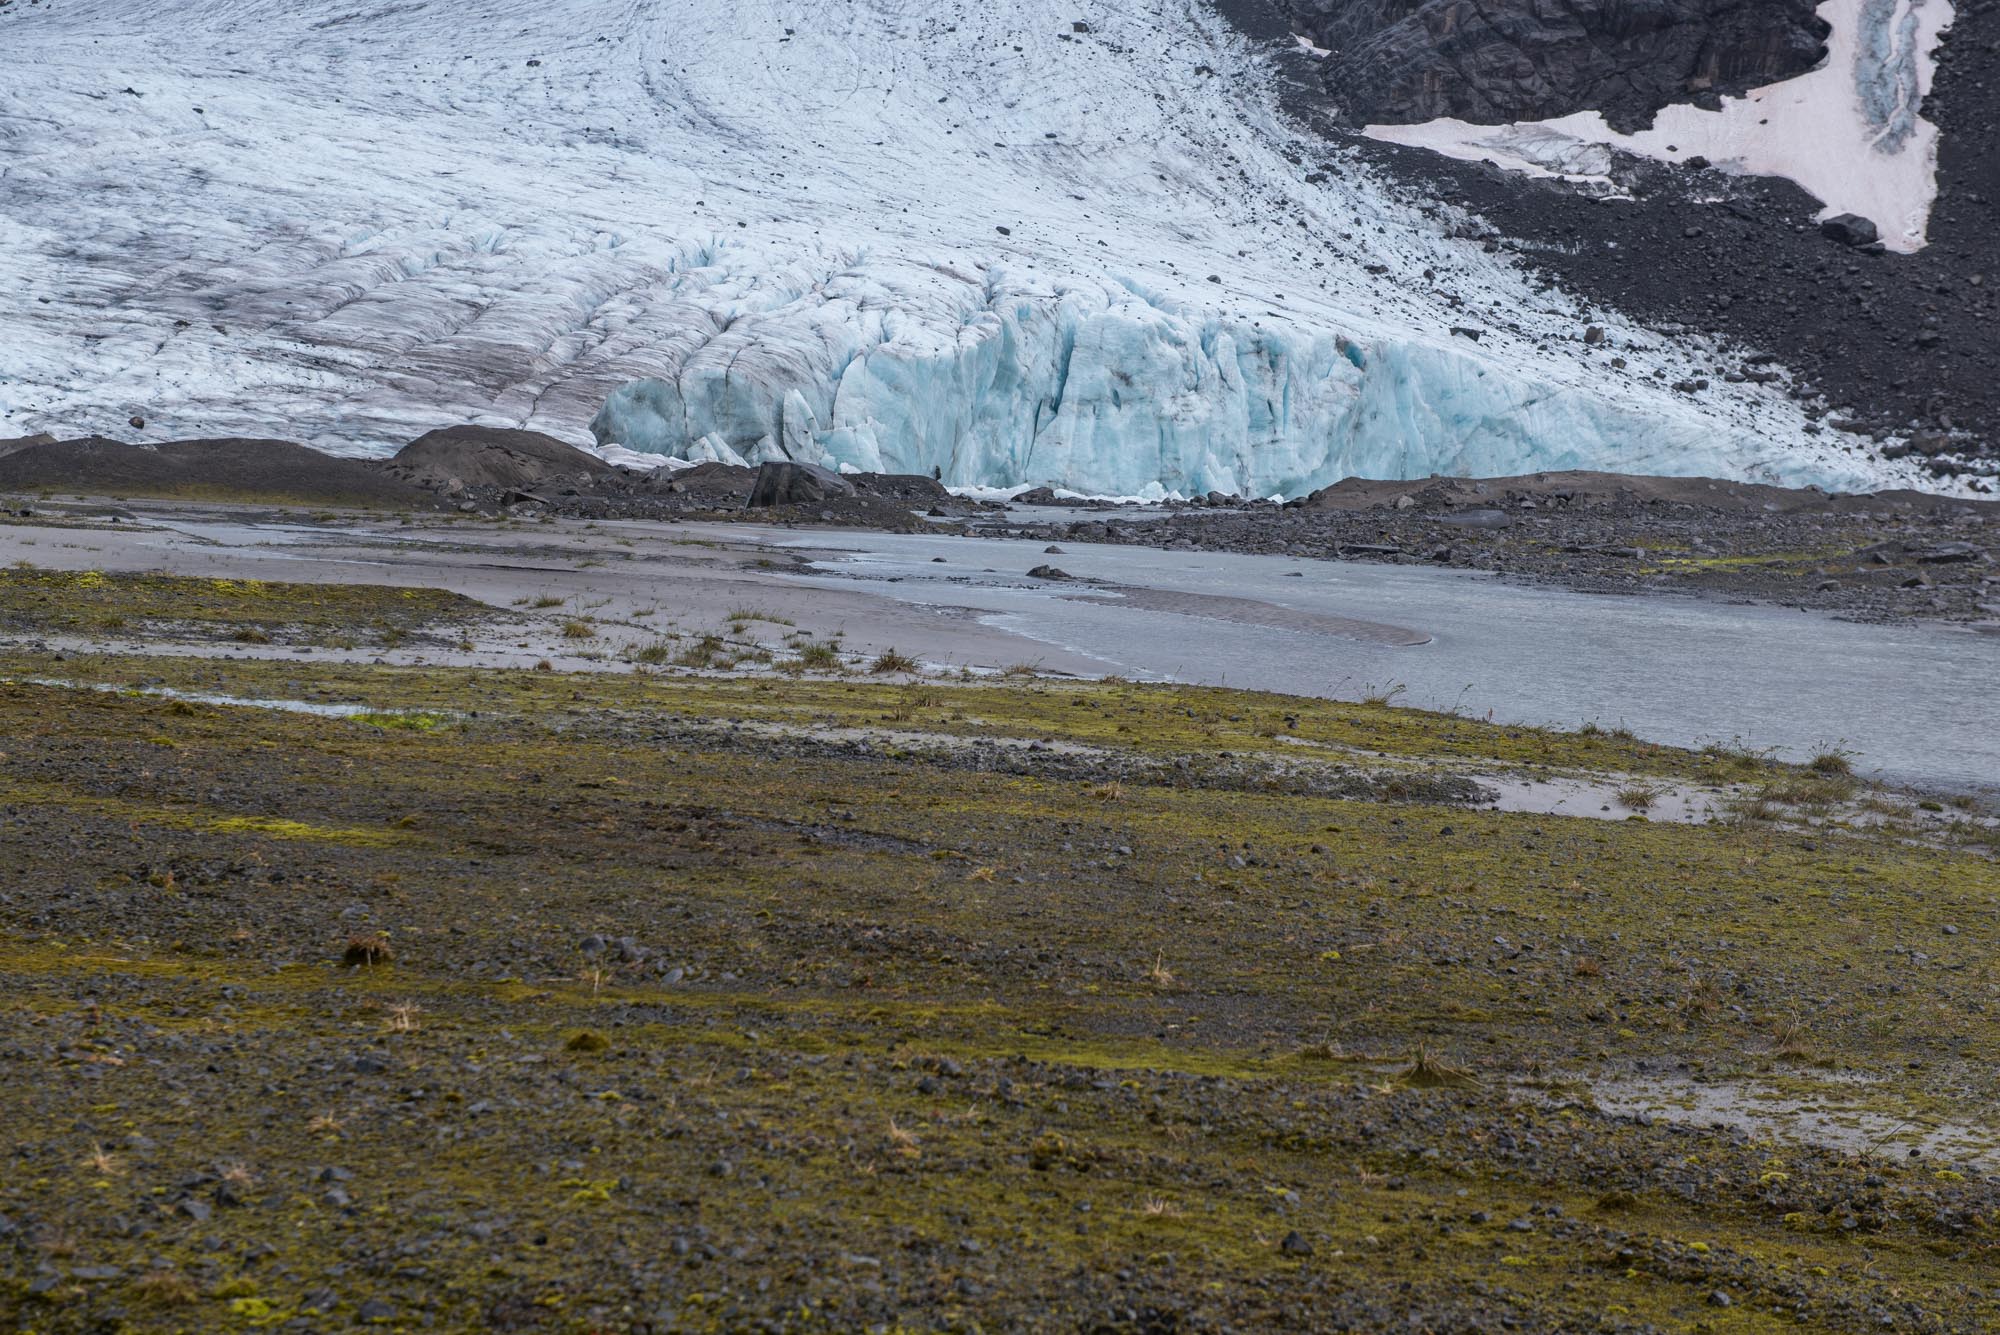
{"x":25,"y":442}
{"x":458,"y":457}
{"x":228,"y":469}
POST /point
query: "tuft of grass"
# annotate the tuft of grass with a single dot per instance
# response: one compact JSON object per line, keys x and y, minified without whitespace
{"x":1832,"y":764}
{"x":890,"y":661}
{"x":703,"y":653}
{"x":370,"y":951}
{"x":164,"y":1288}
{"x":579,"y":628}
{"x":1793,"y":1042}
{"x":818,"y":656}
{"x":655,"y":652}
{"x":1637,"y":798}
{"x":1160,"y":975}
{"x":1427,"y":1070}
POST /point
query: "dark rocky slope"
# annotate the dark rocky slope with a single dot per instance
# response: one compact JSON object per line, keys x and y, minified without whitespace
{"x":1880,"y":344}
{"x":1415,"y":60}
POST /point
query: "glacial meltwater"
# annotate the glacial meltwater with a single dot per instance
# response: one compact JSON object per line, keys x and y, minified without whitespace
{"x":1914,"y":703}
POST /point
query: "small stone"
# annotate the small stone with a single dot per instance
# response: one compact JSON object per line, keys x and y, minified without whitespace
{"x":1295,"y":1245}
{"x":375,"y":1310}
{"x":199,"y":1211}
{"x":1721,"y":1298}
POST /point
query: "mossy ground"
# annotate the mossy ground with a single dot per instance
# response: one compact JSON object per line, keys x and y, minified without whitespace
{"x":96,"y":603}
{"x":693,"y":1028}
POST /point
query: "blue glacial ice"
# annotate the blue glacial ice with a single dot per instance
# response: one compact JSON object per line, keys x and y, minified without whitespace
{"x":1105,"y":391}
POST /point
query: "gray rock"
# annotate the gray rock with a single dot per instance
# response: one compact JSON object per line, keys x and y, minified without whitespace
{"x":796,"y":484}
{"x":1850,"y":229}
{"x":1478,"y":519}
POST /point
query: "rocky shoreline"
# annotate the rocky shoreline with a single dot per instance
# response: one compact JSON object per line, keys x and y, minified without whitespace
{"x":1894,"y":556}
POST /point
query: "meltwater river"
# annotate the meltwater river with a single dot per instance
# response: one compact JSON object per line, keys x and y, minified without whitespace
{"x":1914,"y":703}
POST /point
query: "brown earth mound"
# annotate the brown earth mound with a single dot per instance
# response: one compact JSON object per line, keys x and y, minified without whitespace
{"x":228,"y":469}
{"x":481,"y":456}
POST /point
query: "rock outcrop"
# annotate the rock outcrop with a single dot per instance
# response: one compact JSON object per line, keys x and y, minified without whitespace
{"x":1493,"y":61}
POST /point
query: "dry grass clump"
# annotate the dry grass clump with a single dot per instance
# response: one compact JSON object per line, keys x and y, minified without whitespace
{"x":1160,"y":975}
{"x":165,"y":1288}
{"x":818,"y":656}
{"x":367,"y":951}
{"x":579,"y":628}
{"x":1834,"y":764}
{"x":1792,"y":1042}
{"x":1637,"y":798}
{"x":1704,"y":999}
{"x":889,"y":661}
{"x":1427,"y":1070}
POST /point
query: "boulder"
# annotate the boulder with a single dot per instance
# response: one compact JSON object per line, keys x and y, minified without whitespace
{"x":796,"y":484}
{"x":1850,"y":229}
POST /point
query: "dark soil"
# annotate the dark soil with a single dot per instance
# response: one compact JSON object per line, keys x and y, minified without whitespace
{"x":250,"y":470}
{"x":1895,"y":556}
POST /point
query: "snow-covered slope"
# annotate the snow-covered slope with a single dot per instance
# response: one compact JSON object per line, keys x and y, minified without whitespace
{"x":1013,"y":240}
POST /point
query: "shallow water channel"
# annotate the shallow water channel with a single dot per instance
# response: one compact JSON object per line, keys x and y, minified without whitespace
{"x":1913,"y":703}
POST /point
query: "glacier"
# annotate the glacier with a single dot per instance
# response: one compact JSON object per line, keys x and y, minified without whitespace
{"x":1016,"y":242}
